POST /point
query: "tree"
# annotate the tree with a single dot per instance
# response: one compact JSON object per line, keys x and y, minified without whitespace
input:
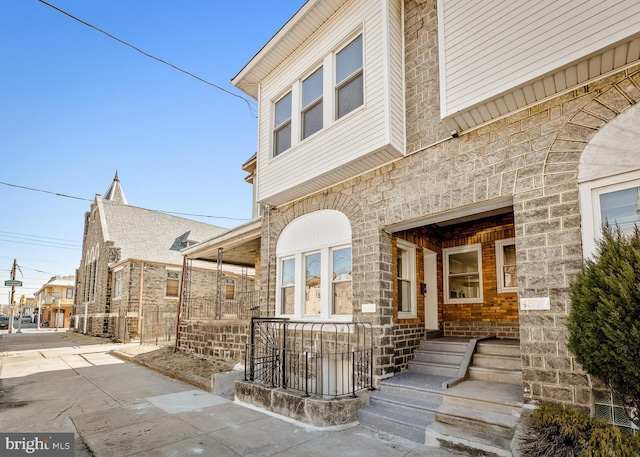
{"x":604,"y":323}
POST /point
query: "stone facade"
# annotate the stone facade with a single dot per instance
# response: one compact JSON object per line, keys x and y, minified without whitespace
{"x":531,"y":157}
{"x":224,"y":340}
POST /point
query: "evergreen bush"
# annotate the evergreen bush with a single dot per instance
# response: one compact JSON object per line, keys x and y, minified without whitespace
{"x":555,"y":431}
{"x":604,"y":323}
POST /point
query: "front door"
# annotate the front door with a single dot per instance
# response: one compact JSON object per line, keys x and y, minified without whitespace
{"x":430,"y":290}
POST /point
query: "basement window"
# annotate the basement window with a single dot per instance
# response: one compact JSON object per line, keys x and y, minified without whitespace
{"x":608,"y":408}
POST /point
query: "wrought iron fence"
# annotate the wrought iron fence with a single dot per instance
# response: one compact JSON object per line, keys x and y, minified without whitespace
{"x":315,"y":358}
{"x":243,"y":306}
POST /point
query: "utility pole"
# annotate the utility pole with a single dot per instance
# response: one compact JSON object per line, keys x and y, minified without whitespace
{"x":13,"y":294}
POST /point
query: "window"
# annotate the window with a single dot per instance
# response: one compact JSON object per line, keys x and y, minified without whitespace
{"x":506,"y":265}
{"x":312,"y":284}
{"x":405,"y":280}
{"x":69,"y":293}
{"x":312,"y":104}
{"x":614,"y":199}
{"x":463,"y":274}
{"x":230,"y":289}
{"x":117,"y":284}
{"x":608,"y":408}
{"x":314,"y":267}
{"x":173,"y":283}
{"x":287,"y":286}
{"x":341,"y":281}
{"x":282,"y":125}
{"x":349,"y":78}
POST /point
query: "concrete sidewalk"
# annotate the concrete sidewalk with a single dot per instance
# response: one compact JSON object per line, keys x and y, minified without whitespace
{"x":117,"y":408}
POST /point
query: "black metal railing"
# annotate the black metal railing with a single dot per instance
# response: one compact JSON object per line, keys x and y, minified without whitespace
{"x":244,"y":305}
{"x":327,"y":359}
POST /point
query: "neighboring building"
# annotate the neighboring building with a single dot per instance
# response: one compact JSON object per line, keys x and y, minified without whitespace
{"x":420,"y":170}
{"x":130,"y":271}
{"x":55,"y":300}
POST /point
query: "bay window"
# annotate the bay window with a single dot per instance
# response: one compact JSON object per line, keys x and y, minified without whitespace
{"x":312,"y":104}
{"x":349,"y":78}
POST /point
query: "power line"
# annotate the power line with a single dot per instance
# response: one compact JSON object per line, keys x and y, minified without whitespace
{"x":252,"y":110}
{"x":58,"y":194}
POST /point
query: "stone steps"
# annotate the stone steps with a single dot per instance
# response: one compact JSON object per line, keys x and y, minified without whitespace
{"x":497,"y":361}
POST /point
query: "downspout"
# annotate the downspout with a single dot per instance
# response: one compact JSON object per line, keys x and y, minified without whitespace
{"x":140,"y":301}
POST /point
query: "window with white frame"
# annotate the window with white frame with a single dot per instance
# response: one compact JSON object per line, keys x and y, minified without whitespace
{"x":349,"y":78}
{"x":69,"y":293}
{"x":507,"y":272}
{"x":312,"y":104}
{"x":321,"y":98}
{"x":341,"y":281}
{"x":314,"y":267}
{"x":406,"y":279}
{"x":230,"y":289}
{"x":615,"y":200}
{"x":463,"y":274}
{"x":287,"y":286}
{"x":282,"y":125}
{"x":117,"y":284}
{"x":173,"y":283}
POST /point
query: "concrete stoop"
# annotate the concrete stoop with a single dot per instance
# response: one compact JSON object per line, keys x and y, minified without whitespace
{"x":316,"y":412}
{"x":478,"y":416}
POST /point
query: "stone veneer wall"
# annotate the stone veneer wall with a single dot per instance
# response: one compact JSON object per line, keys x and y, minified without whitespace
{"x":223,"y":340}
{"x":531,"y":156}
{"x":406,"y":339}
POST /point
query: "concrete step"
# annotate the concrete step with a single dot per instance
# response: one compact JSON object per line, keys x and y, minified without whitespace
{"x":403,"y":425}
{"x":486,"y":396}
{"x":429,"y":356}
{"x":439,"y":369}
{"x":498,"y":375}
{"x":468,"y":441}
{"x":489,"y":423}
{"x":409,"y":406}
{"x":415,"y":385}
{"x":499,"y":347}
{"x":445,"y":345}
{"x":497,"y":361}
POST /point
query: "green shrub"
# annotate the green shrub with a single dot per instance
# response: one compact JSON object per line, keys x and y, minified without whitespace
{"x":604,"y":323}
{"x":555,"y":431}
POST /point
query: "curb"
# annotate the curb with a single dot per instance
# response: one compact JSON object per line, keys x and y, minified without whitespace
{"x":197,"y":381}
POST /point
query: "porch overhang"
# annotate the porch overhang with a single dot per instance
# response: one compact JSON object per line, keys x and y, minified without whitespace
{"x":240,"y":246}
{"x":467,"y":213}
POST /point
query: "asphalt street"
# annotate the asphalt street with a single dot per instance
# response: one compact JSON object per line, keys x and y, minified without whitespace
{"x":117,"y":408}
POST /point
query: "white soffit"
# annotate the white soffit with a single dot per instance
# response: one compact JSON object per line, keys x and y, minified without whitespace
{"x":285,"y":42}
{"x":497,"y":58}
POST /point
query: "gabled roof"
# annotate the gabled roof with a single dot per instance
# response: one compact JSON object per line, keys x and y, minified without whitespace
{"x":150,"y":235}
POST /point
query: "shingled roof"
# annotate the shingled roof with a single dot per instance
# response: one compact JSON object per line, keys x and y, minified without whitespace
{"x":145,"y":234}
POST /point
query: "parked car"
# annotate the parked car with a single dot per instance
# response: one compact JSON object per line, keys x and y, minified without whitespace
{"x":27,"y":319}
{"x":4,"y":321}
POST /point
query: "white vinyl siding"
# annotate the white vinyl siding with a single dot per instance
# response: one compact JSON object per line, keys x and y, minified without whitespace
{"x":364,"y":139}
{"x":483,"y":53}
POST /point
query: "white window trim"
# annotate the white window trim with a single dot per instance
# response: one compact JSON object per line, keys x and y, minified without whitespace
{"x":411,"y":249}
{"x":329,"y":107}
{"x":115,"y":272}
{"x":170,"y":270}
{"x":590,"y":205}
{"x":500,"y":264}
{"x":445,"y":259}
{"x":299,"y":287}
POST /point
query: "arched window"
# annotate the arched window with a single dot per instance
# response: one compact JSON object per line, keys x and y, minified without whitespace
{"x":314,"y":267}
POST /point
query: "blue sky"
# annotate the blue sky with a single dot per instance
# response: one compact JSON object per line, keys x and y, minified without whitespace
{"x":76,"y":105}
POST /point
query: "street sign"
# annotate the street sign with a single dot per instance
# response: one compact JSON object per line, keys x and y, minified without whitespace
{"x":13,"y":282}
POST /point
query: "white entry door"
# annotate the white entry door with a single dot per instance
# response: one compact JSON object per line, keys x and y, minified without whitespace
{"x":431,"y":293}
